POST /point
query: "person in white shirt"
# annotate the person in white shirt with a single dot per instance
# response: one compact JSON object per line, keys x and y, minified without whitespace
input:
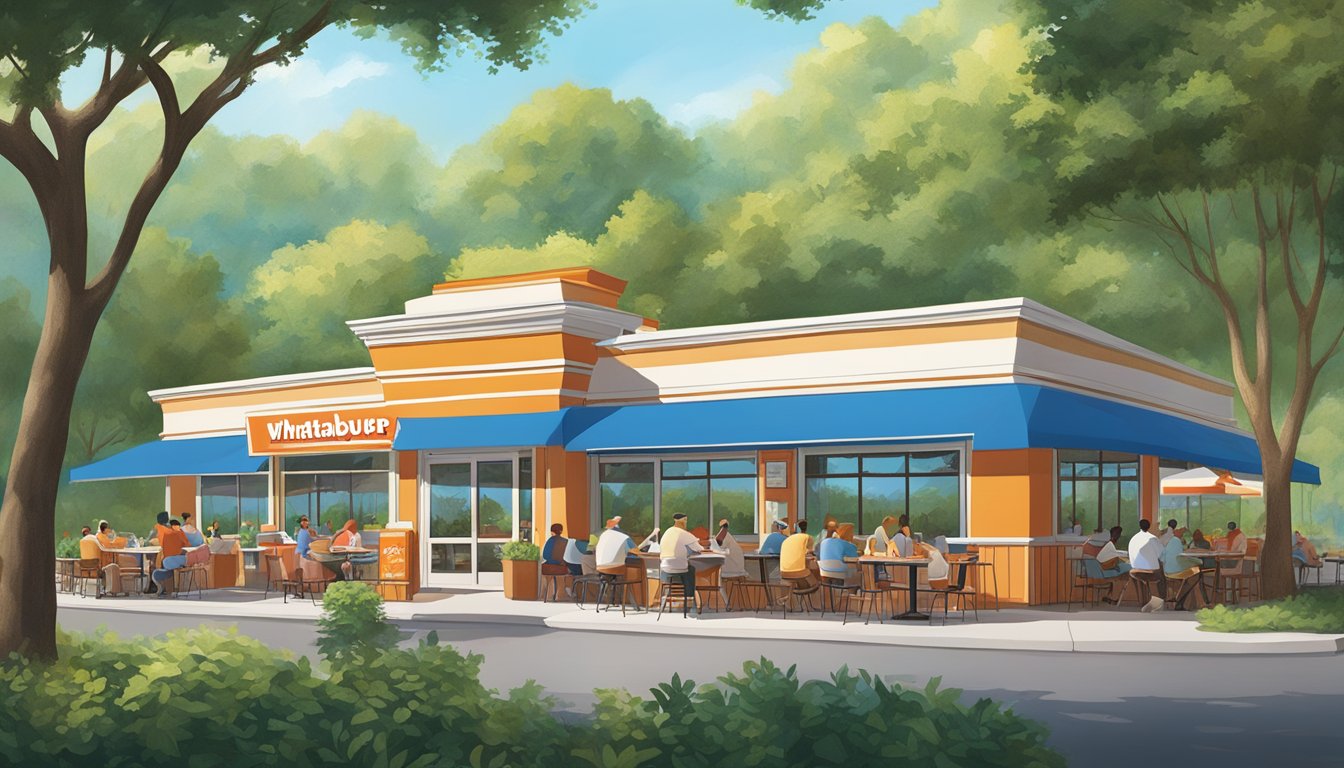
{"x":734,"y":566}
{"x":1145,"y":561}
{"x":675,"y":546}
{"x":614,"y":543}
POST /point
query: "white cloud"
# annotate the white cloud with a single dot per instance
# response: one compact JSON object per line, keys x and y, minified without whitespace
{"x":722,"y":103}
{"x":305,"y":78}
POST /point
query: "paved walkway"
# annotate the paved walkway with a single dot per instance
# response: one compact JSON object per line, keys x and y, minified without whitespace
{"x":1100,"y":631}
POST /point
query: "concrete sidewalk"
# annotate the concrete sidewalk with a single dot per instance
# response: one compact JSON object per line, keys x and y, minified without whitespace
{"x":1016,"y":629}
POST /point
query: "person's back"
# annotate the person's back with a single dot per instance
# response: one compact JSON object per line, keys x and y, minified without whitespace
{"x":173,"y":542}
{"x":902,"y":544}
{"x":304,"y":542}
{"x":89,"y":549}
{"x":611,"y":548}
{"x":1145,"y":552}
{"x":674,"y":547}
{"x":880,"y":541}
{"x":793,"y":553}
{"x":831,"y":560}
{"x":733,"y":563}
{"x":1173,"y":557}
{"x":553,"y":551}
{"x":772,"y":544}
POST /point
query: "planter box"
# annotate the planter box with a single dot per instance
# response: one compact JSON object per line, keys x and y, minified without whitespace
{"x":520,"y":579}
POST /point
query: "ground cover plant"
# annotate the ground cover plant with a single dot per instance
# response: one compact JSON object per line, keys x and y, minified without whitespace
{"x":206,"y":697}
{"x":1315,"y":610}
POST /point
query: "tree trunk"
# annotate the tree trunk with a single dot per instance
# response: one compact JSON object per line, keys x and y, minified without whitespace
{"x":27,"y":517}
{"x":1276,"y":560}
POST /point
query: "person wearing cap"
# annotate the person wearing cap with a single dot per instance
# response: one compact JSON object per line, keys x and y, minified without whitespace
{"x":614,"y":543}
{"x":772,"y":543}
{"x":674,"y":548}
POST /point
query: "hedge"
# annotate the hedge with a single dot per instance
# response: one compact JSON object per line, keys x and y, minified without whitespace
{"x":1314,"y":610}
{"x":207,"y":697}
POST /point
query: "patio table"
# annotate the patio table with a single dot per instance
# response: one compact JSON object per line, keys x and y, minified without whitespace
{"x":1217,"y":556}
{"x":762,"y":560}
{"x":914,"y":564}
{"x":1338,"y":561}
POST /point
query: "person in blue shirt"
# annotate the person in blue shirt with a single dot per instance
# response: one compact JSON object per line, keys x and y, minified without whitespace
{"x":194,"y":537}
{"x":304,"y":537}
{"x":1179,"y":568}
{"x":831,"y":557}
{"x":775,"y":540}
{"x":553,"y":551}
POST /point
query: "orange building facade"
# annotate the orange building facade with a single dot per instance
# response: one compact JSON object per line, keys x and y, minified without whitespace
{"x":496,"y":408}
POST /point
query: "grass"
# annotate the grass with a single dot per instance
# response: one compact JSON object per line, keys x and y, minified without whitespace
{"x":1315,"y":610}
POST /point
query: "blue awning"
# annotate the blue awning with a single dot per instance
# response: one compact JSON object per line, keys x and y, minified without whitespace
{"x":163,"y":458}
{"x":499,"y":431}
{"x":993,"y":417}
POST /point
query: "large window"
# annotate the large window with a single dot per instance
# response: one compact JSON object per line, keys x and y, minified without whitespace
{"x":333,"y":488}
{"x":1098,"y":490}
{"x":864,"y":488}
{"x":646,"y":493}
{"x":232,"y":500}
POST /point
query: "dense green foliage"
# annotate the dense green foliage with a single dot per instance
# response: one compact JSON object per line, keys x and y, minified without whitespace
{"x":353,"y":624}
{"x":519,"y":550}
{"x":209,"y":698}
{"x":766,"y":716}
{"x":1313,"y":610}
{"x":900,"y":167}
{"x":67,"y":547}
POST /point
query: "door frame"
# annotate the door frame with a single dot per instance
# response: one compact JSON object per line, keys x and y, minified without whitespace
{"x":472,"y":458}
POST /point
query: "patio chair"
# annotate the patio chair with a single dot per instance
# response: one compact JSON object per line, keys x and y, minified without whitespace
{"x":278,"y":577}
{"x":958,"y":589}
{"x":616,"y":579}
{"x":1244,"y":579}
{"x":1098,"y":578}
{"x":835,"y":589}
{"x":89,"y":570}
{"x":671,"y":590}
{"x":588,"y":576}
{"x":194,"y":574}
{"x":870,"y":595}
{"x":1304,"y":568}
{"x":796,"y":589}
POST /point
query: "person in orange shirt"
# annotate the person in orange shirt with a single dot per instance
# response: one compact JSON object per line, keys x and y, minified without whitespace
{"x":174,"y":544}
{"x":160,"y":528}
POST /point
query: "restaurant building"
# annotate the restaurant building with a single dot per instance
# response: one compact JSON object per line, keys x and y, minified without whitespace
{"x":493,"y":408}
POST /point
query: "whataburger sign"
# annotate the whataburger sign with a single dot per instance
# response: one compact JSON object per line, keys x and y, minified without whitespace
{"x":321,"y":430}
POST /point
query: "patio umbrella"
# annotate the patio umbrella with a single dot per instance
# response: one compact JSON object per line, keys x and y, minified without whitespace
{"x":1203,"y":481}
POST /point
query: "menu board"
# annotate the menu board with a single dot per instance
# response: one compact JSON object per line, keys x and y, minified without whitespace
{"x":395,"y":564}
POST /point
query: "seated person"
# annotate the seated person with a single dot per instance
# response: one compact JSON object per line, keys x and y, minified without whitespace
{"x":879,"y":543}
{"x":1197,"y":541}
{"x":349,"y":538}
{"x":1094,"y":544}
{"x":938,"y":567}
{"x":174,"y":544}
{"x":793,"y":562}
{"x":734,"y":566}
{"x":614,"y":544}
{"x":1168,"y":532}
{"x":1109,"y":559}
{"x":1304,"y":551}
{"x":213,"y":529}
{"x":1236,"y":540}
{"x":673,"y":549}
{"x":832,"y":556}
{"x":194,"y":537}
{"x":772,"y":543}
{"x":160,"y":527}
{"x":1145,"y":560}
{"x":106,"y":536}
{"x":304,"y":537}
{"x":1178,"y":567}
{"x":553,"y":552}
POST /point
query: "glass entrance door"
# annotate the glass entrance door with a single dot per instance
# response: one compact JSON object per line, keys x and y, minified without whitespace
{"x":470,"y":510}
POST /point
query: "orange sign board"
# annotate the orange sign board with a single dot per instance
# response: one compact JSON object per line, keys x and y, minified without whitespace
{"x":321,"y":432}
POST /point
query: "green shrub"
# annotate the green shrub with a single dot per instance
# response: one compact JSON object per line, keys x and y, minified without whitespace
{"x":353,"y":623}
{"x":247,"y":534}
{"x":209,"y":698}
{"x":766,"y":716}
{"x":520,"y":550}
{"x":67,"y":547}
{"x":1315,"y":610}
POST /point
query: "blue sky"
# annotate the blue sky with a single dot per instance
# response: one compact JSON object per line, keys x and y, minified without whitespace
{"x":694,"y":60}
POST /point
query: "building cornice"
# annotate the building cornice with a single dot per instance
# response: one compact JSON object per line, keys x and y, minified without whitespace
{"x":266,"y":383}
{"x":579,"y":319}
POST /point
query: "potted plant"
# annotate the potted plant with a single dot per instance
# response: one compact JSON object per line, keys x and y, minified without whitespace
{"x":520,"y":569}
{"x":247,"y":534}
